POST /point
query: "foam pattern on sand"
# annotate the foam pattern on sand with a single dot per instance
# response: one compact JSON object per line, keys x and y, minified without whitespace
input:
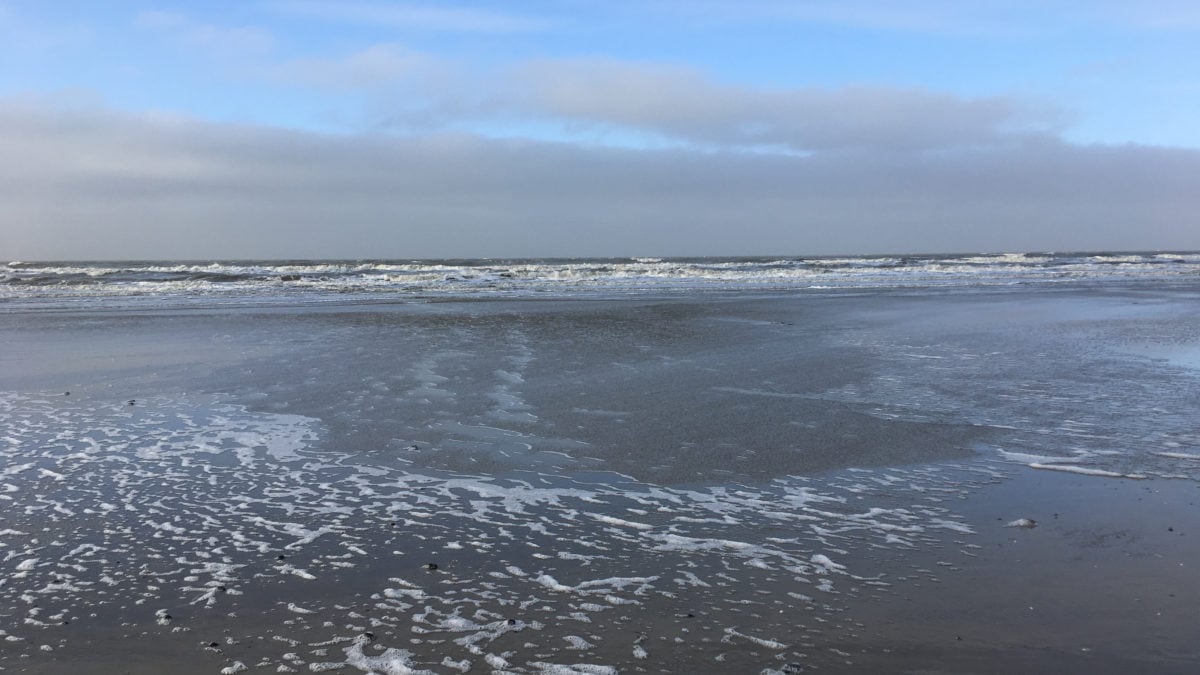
{"x":206,"y":527}
{"x":1060,"y":398}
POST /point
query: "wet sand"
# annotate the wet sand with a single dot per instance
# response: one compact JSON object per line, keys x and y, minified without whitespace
{"x":726,"y":484}
{"x":1103,"y":584}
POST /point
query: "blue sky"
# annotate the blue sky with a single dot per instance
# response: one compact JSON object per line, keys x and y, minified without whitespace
{"x":821,"y":85}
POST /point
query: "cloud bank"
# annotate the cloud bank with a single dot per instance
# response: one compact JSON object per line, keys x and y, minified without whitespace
{"x":95,"y":183}
{"x":681,"y":103}
{"x":408,"y":89}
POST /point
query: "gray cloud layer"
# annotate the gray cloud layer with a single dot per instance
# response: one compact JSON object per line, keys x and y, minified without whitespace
{"x":414,"y":90}
{"x":681,"y":103}
{"x":100,"y":184}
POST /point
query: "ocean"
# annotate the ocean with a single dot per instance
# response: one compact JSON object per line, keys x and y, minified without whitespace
{"x":775,"y":465}
{"x":267,"y":280}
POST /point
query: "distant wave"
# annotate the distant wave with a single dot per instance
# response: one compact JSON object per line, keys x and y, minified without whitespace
{"x":24,"y":279}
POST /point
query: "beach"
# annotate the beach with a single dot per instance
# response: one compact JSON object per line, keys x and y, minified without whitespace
{"x":730,"y":480}
{"x":390,"y":337}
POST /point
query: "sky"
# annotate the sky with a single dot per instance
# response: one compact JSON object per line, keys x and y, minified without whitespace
{"x":373,"y":129}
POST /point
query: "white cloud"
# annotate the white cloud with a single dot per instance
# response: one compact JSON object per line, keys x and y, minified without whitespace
{"x":982,"y":19}
{"x":27,"y":36}
{"x":374,"y":68}
{"x":434,"y":17}
{"x":1166,"y":16}
{"x":979,"y":18}
{"x":207,"y":36}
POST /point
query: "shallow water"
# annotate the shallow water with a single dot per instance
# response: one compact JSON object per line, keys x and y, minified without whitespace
{"x":195,"y":524}
{"x":688,"y":485}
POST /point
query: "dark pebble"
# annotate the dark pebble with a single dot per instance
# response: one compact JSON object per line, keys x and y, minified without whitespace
{"x":512,"y":622}
{"x":214,"y":644}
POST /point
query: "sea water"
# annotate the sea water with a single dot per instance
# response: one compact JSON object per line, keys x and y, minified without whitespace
{"x":643,"y":464}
